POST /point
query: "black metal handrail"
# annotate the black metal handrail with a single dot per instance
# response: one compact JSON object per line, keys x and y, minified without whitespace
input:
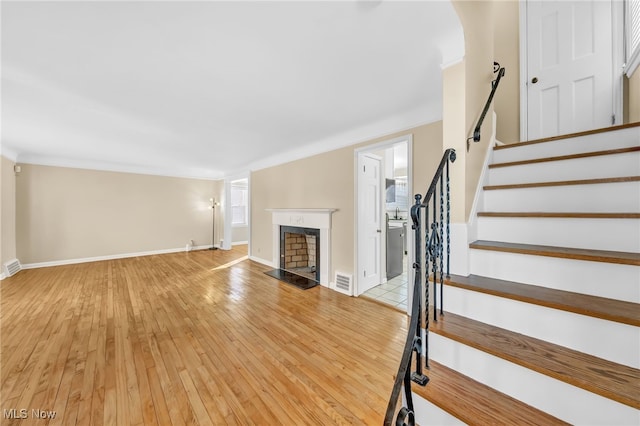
{"x":494,"y":85}
{"x":433,"y":256}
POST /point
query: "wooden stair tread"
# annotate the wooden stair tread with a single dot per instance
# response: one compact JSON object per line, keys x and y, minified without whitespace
{"x":615,"y":381}
{"x":563,"y":183}
{"x":475,"y":403}
{"x":619,"y":257}
{"x":593,"y":306}
{"x":569,"y":135}
{"x":573,"y":215}
{"x":566,"y":157}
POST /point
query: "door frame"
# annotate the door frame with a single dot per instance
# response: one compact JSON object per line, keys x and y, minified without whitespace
{"x":228,"y":216}
{"x":617,"y":26}
{"x":410,"y":242}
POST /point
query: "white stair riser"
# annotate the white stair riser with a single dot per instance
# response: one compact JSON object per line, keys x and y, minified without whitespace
{"x":604,"y":339}
{"x":580,"y":168}
{"x":567,"y":402}
{"x":604,"y":197}
{"x":430,"y":414}
{"x":596,"y":234}
{"x":599,"y":142}
{"x":613,"y":281}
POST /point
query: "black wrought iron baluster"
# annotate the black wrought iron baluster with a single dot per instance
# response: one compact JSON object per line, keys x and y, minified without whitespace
{"x":418,"y":376}
{"x":440,"y":250}
{"x":448,"y":215}
{"x":407,"y":413}
{"x":427,"y":228}
{"x":434,"y":265}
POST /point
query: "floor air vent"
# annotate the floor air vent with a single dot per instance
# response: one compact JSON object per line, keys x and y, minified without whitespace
{"x":12,"y":267}
{"x":344,"y":283}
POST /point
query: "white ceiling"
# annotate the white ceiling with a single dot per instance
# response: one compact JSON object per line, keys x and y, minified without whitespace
{"x":207,"y":89}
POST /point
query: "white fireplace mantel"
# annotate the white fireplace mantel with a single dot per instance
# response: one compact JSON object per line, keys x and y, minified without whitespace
{"x":305,"y":218}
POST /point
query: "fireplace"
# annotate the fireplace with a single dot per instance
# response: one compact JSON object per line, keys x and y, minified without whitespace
{"x":315,"y":226}
{"x":300,"y":251}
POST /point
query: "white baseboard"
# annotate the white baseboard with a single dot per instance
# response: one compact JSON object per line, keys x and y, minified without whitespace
{"x":239,"y":243}
{"x":262,"y":261}
{"x":3,"y":275}
{"x":207,"y":247}
{"x":108,"y":257}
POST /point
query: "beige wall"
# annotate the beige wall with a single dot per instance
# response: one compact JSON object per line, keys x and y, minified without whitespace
{"x":239,"y":234}
{"x":1,"y":215}
{"x":327,"y":181}
{"x":65,"y":213}
{"x":507,"y":53}
{"x":7,"y":211}
{"x":454,"y":134}
{"x":633,"y":91}
{"x":466,"y":87}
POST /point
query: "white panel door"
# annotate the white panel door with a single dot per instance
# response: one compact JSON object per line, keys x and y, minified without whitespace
{"x":569,"y":67}
{"x":369,"y":222}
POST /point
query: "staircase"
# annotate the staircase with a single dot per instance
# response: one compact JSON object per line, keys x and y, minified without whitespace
{"x":546,"y":329}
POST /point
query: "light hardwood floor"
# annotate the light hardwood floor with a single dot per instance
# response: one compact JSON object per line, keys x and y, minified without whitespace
{"x":191,"y":338}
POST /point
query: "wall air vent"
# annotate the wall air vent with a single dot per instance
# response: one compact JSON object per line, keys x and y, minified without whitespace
{"x":12,"y":267}
{"x":344,"y":283}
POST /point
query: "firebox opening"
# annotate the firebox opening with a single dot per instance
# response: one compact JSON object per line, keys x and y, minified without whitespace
{"x":300,"y":251}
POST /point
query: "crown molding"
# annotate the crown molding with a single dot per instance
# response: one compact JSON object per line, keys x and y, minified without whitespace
{"x":397,"y":124}
{"x":42,"y":160}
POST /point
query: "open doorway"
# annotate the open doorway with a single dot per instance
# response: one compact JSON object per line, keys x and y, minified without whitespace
{"x":383,"y":271}
{"x":237,"y":210}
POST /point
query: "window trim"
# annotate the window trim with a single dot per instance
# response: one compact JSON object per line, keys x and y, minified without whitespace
{"x":245,"y":188}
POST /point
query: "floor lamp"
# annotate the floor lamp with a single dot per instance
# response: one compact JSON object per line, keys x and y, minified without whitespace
{"x":213,"y":223}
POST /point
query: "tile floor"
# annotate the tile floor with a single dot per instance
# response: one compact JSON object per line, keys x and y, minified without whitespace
{"x":393,"y":292}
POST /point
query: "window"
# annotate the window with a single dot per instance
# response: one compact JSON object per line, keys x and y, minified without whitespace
{"x":401,"y":197}
{"x":240,"y":202}
{"x":632,"y":36}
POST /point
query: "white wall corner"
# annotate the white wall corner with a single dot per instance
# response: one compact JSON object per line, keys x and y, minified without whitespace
{"x":262,"y":261}
{"x":451,"y":62}
{"x":9,"y":153}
